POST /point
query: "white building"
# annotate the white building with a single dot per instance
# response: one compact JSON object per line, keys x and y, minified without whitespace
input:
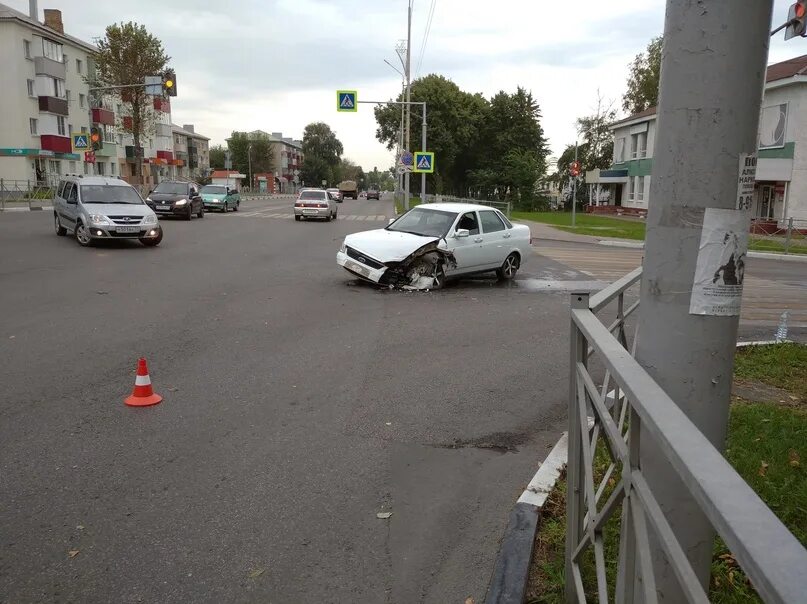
{"x":44,"y":96}
{"x":781,"y":188}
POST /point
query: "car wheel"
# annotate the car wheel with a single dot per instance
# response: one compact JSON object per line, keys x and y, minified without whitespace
{"x":298,"y":218}
{"x":201,"y":213}
{"x":57,"y":225}
{"x":152,"y":241}
{"x":509,"y":267}
{"x":335,"y":214}
{"x":82,"y":234}
{"x":189,"y":214}
{"x":224,"y":208}
{"x":329,"y":218}
{"x":237,"y":203}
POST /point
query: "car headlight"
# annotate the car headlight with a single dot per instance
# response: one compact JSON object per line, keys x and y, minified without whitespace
{"x":148,"y":199}
{"x":181,"y":202}
{"x":99,"y":219}
{"x":343,"y":249}
{"x":150,"y":219}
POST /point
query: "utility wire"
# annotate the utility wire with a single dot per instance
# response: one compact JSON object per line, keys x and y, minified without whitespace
{"x":429,"y":20}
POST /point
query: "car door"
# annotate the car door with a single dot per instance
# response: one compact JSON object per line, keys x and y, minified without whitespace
{"x":71,"y":204}
{"x":496,"y":236}
{"x":467,"y":250}
{"x":194,"y":198}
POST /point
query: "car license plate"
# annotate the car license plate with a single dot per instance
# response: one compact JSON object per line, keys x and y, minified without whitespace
{"x":128,"y":229}
{"x":357,"y":268}
{"x":163,"y":207}
{"x":310,"y":212}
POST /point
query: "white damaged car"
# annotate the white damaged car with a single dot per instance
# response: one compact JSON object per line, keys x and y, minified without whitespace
{"x":431,"y":242}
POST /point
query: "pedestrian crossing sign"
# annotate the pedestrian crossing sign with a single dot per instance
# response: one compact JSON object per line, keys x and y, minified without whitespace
{"x":424,"y":162}
{"x":81,"y":141}
{"x":346,"y":100}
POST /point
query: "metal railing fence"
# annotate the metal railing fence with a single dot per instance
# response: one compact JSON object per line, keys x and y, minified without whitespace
{"x":503,"y":206}
{"x":627,"y":405}
{"x":788,"y":236}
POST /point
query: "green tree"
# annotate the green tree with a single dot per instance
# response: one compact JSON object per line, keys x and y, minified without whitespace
{"x":126,"y":55}
{"x":251,"y":153}
{"x":511,"y":155}
{"x":454,"y":118}
{"x":643,"y":80}
{"x":596,"y":132}
{"x":322,"y":153}
{"x":217,"y":157}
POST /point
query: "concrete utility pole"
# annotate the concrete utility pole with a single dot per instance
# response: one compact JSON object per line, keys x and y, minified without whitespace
{"x":574,"y":187}
{"x":408,"y":95}
{"x":712,"y":77}
{"x":423,"y":148}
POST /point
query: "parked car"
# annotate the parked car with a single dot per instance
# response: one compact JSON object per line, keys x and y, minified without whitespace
{"x":373,"y":193}
{"x":336,"y":194}
{"x":220,"y":197}
{"x":430,"y":243}
{"x":177,"y":198}
{"x":95,"y":207}
{"x":315,"y":203}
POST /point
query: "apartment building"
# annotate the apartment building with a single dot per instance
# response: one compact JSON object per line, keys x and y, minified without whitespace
{"x":287,"y":161}
{"x":192,"y":151}
{"x":781,"y":179}
{"x":45,"y":97}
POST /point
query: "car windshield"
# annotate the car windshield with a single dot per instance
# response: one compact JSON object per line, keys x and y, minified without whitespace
{"x":428,"y":223}
{"x":109,"y":194}
{"x":171,"y":188}
{"x":317,"y":195}
{"x":214,"y":189}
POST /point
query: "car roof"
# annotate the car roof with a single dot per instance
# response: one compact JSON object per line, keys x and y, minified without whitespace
{"x":455,"y":207}
{"x":110,"y":181}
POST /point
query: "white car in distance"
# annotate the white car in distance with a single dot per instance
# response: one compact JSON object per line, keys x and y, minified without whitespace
{"x":431,"y":242}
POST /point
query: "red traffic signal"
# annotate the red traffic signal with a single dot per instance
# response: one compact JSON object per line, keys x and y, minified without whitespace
{"x":96,"y":140}
{"x":796,"y":20}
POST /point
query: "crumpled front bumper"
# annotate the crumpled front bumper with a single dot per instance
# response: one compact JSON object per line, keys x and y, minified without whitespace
{"x":360,"y":270}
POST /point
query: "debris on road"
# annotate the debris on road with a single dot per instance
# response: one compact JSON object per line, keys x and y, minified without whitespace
{"x":383,"y":515}
{"x":256,"y":572}
{"x":73,"y":553}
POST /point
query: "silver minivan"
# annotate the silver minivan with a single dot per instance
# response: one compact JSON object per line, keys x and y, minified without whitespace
{"x":98,"y":207}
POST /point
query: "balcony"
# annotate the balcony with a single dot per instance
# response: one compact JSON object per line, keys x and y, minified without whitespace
{"x":133,"y":152}
{"x":52,"y":104}
{"x":167,"y":155}
{"x":49,"y":67}
{"x":108,"y":150}
{"x":163,"y":129}
{"x":57,"y":144}
{"x":161,"y":104}
{"x":103,"y":116}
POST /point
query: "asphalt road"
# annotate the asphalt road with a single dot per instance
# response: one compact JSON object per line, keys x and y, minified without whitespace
{"x":298,"y":405}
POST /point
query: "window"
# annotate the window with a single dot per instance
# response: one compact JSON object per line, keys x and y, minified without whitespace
{"x":151,"y":143}
{"x":109,"y":134}
{"x":78,"y":65}
{"x":176,"y":139}
{"x":82,"y":101}
{"x":112,"y":168}
{"x":54,"y":166}
{"x":69,"y":191}
{"x":58,"y":88}
{"x":60,"y":124}
{"x":631,"y":187}
{"x":26,"y":48}
{"x":52,"y":50}
{"x":86,"y":168}
{"x":639,"y":188}
{"x":72,"y":167}
{"x":491,"y":222}
{"x":100,"y":167}
{"x":31,"y":88}
{"x":469,"y":221}
{"x":619,"y":150}
{"x":120,"y":139}
{"x":69,"y":129}
{"x":32,"y":124}
{"x":119,"y":109}
{"x":84,"y":128}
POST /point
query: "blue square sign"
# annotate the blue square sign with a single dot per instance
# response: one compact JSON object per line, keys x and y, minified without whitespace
{"x":424,"y":162}
{"x":346,"y":100}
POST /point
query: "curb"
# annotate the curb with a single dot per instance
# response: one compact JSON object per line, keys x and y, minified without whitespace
{"x":753,"y":254}
{"x":509,"y":582}
{"x":24,"y":209}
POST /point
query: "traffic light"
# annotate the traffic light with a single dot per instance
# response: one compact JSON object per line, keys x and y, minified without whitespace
{"x":169,"y":83}
{"x":797,"y":20}
{"x":96,"y":138}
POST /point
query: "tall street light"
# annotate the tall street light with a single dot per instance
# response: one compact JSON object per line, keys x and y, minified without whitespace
{"x":401,"y":129}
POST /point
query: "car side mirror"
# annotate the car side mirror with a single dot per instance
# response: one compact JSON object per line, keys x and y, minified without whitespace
{"x":460,"y":233}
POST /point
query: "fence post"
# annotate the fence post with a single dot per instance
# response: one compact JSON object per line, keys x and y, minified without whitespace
{"x":575,"y":501}
{"x":789,"y":233}
{"x":2,"y":195}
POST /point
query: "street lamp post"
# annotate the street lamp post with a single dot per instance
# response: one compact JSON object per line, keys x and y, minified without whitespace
{"x":249,"y":163}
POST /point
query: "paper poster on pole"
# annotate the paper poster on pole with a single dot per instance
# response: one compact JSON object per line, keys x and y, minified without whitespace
{"x":746,"y":178}
{"x":720,"y":269}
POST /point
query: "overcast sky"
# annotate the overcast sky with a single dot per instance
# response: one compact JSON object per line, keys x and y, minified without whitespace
{"x":275,"y":65}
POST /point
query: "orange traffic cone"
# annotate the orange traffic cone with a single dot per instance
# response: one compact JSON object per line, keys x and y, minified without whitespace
{"x":142,"y":395}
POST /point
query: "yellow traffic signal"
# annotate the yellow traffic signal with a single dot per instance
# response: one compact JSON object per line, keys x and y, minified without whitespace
{"x":169,"y":83}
